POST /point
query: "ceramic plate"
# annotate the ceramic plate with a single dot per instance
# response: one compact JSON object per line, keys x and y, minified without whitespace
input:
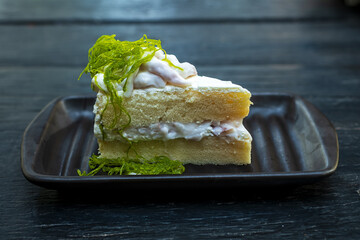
{"x":293,"y":143}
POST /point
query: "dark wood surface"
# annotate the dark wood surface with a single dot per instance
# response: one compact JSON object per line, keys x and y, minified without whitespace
{"x":309,"y":48}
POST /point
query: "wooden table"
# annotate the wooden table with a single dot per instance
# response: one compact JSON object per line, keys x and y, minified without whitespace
{"x":308,"y":48}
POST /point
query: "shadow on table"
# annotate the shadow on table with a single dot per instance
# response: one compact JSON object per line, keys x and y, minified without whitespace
{"x":303,"y":192}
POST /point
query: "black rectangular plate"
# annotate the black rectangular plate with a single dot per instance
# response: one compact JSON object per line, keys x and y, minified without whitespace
{"x":293,"y":143}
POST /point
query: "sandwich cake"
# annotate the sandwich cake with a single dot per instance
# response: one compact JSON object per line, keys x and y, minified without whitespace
{"x":153,"y":114}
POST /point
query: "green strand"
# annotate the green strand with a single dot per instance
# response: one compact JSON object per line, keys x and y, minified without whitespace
{"x":125,"y":166}
{"x":118,"y":60}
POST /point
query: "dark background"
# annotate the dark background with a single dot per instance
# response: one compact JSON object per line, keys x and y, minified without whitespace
{"x":309,"y":48}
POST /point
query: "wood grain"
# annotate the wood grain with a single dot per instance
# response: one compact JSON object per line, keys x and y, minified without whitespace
{"x":51,"y":12}
{"x":309,"y":48}
{"x":316,"y":44}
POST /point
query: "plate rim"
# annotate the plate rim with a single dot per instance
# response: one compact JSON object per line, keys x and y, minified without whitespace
{"x":58,"y":182}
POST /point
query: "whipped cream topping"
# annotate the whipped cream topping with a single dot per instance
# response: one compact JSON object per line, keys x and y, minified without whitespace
{"x":153,"y":74}
{"x":190,"y":131}
{"x":157,"y":70}
{"x":159,"y":74}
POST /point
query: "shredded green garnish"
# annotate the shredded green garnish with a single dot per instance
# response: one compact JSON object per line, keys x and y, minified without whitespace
{"x":119,"y":61}
{"x":125,"y":166}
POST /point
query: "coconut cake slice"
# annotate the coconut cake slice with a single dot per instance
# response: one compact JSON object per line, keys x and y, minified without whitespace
{"x":149,"y":104}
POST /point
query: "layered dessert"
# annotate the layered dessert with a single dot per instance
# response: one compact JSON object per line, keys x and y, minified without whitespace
{"x":151,"y":107}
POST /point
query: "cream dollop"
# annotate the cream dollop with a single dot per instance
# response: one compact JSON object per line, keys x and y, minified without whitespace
{"x":153,"y":74}
{"x":163,"y":70}
{"x":158,"y":74}
{"x":147,"y":79}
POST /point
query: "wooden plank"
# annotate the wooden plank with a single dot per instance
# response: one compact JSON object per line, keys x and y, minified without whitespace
{"x":40,"y":213}
{"x":316,"y":44}
{"x":22,"y":11}
{"x":278,"y":46}
{"x":57,"y":81}
{"x":308,"y":211}
{"x":304,"y":212}
{"x":341,"y":94}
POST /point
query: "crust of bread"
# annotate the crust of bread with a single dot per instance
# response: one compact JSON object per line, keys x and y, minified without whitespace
{"x":209,"y":150}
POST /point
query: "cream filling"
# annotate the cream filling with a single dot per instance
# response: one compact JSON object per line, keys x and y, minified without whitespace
{"x":230,"y":130}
